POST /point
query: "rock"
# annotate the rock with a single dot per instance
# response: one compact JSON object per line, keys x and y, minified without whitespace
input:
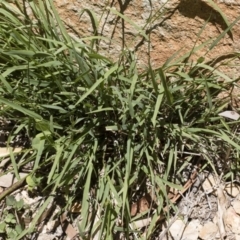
{"x":177,"y":229}
{"x":191,"y":232}
{"x":4,"y":152}
{"x":236,"y":206}
{"x":176,"y":28}
{"x":46,"y":236}
{"x":6,"y":180}
{"x":237,"y":237}
{"x":209,"y":184}
{"x":232,"y":220}
{"x":232,"y":189}
{"x":208,"y":231}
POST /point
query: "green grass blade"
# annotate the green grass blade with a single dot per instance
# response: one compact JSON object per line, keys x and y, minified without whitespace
{"x":129,"y":21}
{"x":56,"y":163}
{"x":35,"y":219}
{"x":158,"y":105}
{"x":166,"y":88}
{"x":215,"y":42}
{"x":85,"y":201}
{"x":215,"y":7}
{"x":129,"y":159}
{"x":14,"y":164}
{"x":40,"y":148}
{"x":21,"y":109}
{"x":97,"y":83}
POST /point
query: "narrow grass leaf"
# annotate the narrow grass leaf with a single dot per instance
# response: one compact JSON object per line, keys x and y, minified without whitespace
{"x":129,"y":159}
{"x":14,"y":164}
{"x":21,"y":109}
{"x":142,"y":32}
{"x":67,"y":163}
{"x":97,"y":83}
{"x":186,"y":55}
{"x":6,"y":84}
{"x":209,"y":97}
{"x":94,"y":22}
{"x":225,"y":125}
{"x":85,"y":198}
{"x":55,"y":163}
{"x":170,"y":160}
{"x":203,"y":130}
{"x":101,"y":110}
{"x":226,"y":138}
{"x":16,"y":68}
{"x":34,"y":221}
{"x":215,"y":71}
{"x":59,"y":22}
{"x":117,"y":199}
{"x":50,"y":64}
{"x":40,"y":149}
{"x":223,"y":33}
{"x":215,"y":7}
{"x":133,"y":85}
{"x":27,"y":53}
{"x":54,"y":107}
{"x":149,"y":165}
{"x":168,"y":94}
{"x":158,"y":105}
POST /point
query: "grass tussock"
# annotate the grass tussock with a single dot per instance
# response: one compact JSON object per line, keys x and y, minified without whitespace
{"x":101,"y":133}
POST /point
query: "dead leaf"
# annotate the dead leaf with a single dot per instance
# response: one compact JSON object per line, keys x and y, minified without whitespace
{"x":76,"y":208}
{"x":230,"y":114}
{"x":67,"y":227}
{"x":143,"y":205}
{"x":172,"y":192}
{"x":46,"y":214}
{"x":134,"y":209}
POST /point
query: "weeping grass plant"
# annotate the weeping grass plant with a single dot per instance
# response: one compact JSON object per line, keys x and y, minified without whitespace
{"x":101,"y":132}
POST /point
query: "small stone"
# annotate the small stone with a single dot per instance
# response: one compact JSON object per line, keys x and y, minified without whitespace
{"x":209,"y":184}
{"x":208,"y":231}
{"x":6,"y":180}
{"x":232,"y":220}
{"x":4,"y":152}
{"x":191,"y":232}
{"x":177,"y":229}
{"x":232,"y":189}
